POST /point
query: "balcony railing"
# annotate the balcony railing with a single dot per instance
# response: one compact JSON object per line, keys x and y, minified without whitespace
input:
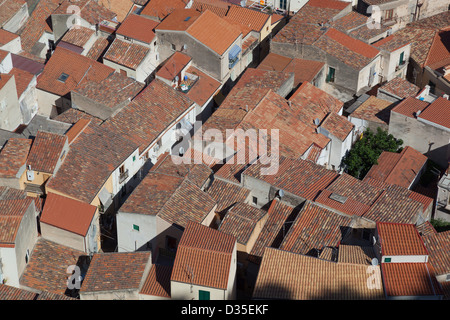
{"x":123,"y":176}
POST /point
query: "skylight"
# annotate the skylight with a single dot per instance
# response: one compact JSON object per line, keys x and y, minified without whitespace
{"x":63,"y":77}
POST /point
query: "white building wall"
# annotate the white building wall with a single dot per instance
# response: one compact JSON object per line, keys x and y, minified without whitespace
{"x":9,"y":266}
{"x":14,"y":46}
{"x":406,"y":259}
{"x":129,"y":239}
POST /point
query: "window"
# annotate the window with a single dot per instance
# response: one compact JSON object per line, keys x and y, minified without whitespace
{"x":432,"y":87}
{"x":448,"y":278}
{"x":134,"y":158}
{"x":203,"y":295}
{"x":331,"y":74}
{"x":389,"y":14}
{"x":402,"y":58}
{"x":255,"y":200}
{"x":122,"y":169}
{"x":283,"y":4}
{"x":174,"y":48}
{"x":27,"y":256}
{"x":387,"y":260}
{"x":63,"y":77}
{"x":135,"y":227}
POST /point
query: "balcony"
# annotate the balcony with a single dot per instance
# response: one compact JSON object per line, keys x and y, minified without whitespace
{"x":400,"y":65}
{"x":123,"y":176}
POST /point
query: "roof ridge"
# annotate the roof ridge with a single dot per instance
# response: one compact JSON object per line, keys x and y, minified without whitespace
{"x":436,"y":34}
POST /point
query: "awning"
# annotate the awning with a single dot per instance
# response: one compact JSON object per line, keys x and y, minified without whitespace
{"x":234,"y":52}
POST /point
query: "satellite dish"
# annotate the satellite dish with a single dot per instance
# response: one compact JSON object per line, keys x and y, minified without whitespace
{"x":374,"y":261}
{"x":317,"y":121}
{"x":176,"y":78}
{"x":181,"y":151}
{"x":281,"y":193}
{"x":243,"y":3}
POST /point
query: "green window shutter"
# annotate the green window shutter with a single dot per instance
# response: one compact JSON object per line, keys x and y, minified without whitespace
{"x":387,"y":259}
{"x":135,"y":227}
{"x":203,"y":295}
{"x":331,"y":74}
{"x":402,"y":56}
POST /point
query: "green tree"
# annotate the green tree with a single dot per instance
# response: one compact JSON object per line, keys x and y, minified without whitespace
{"x":365,"y":152}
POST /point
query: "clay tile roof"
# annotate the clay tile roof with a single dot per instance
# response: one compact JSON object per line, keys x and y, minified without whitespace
{"x":348,"y":50}
{"x":274,"y":62}
{"x":162,"y":8}
{"x":13,"y":157}
{"x":240,"y":221}
{"x":219,"y":7}
{"x":256,"y":20}
{"x":138,"y":27}
{"x":286,"y":275}
{"x":98,"y":48}
{"x":204,"y":88}
{"x":6,"y":37}
{"x":8,"y":9}
{"x":338,"y":126}
{"x":421,"y":40}
{"x":426,"y":229}
{"x":271,"y":234}
{"x":438,"y":247}
{"x":120,"y":7}
{"x":77,"y":67}
{"x":22,"y":78}
{"x":45,"y":295}
{"x":68,"y":214}
{"x":91,"y":11}
{"x":45,"y":151}
{"x":130,"y":55}
{"x":356,"y":254}
{"x":11,"y":214}
{"x":104,"y":150}
{"x":227,"y":194}
{"x":410,"y":106}
{"x":410,"y":279}
{"x":391,"y":43}
{"x":331,"y":4}
{"x":346,"y":205}
{"x":178,"y":20}
{"x":112,"y":91}
{"x":115,"y":271}
{"x":439,"y":53}
{"x":398,"y":239}
{"x":72,"y":116}
{"x":314,"y":228}
{"x":173,"y":66}
{"x":438,"y":112}
{"x":47,"y":267}
{"x":214,"y":32}
{"x":4,"y":79}
{"x":374,"y":109}
{"x":401,"y":88}
{"x":158,"y":281}
{"x":207,"y":253}
{"x":299,"y":177}
{"x":398,"y":168}
{"x":13,"y":293}
{"x":149,"y":114}
{"x":78,"y":36}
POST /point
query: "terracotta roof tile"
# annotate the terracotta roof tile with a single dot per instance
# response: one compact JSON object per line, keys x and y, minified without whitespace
{"x":227,"y":194}
{"x":6,"y":36}
{"x":13,"y":157}
{"x":47,"y":267}
{"x":98,"y":48}
{"x":355,"y":24}
{"x":22,"y":78}
{"x":356,"y":254}
{"x":439,"y":54}
{"x":426,"y":229}
{"x":420,"y":39}
{"x":218,"y":7}
{"x":391,"y":43}
{"x":338,"y":126}
{"x":158,"y":281}
{"x":77,"y":67}
{"x":299,"y":177}
{"x":349,"y":205}
{"x":46,"y":151}
{"x":240,"y":221}
{"x":45,"y":295}
{"x":72,"y":116}
{"x":91,"y":11}
{"x":92,"y":158}
{"x":115,"y":271}
{"x":438,"y":247}
{"x":410,"y":279}
{"x":374,"y":109}
{"x":410,"y":106}
{"x":120,"y":7}
{"x":205,"y":87}
{"x":13,"y":293}
{"x":78,"y":36}
{"x":173,"y":66}
{"x":142,"y":121}
{"x":315,"y":228}
{"x":11,"y":214}
{"x":400,"y":87}
{"x":68,"y":214}
{"x":112,"y":91}
{"x":400,"y":240}
{"x":214,"y":32}
{"x":162,"y":8}
{"x":177,"y":20}
{"x":256,"y":20}
{"x":438,"y":112}
{"x":138,"y":27}
{"x":130,"y":55}
{"x":272,"y":232}
{"x":398,"y":168}
{"x":207,"y":253}
{"x":348,"y":50}
{"x":8,"y":9}
{"x":286,"y":275}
